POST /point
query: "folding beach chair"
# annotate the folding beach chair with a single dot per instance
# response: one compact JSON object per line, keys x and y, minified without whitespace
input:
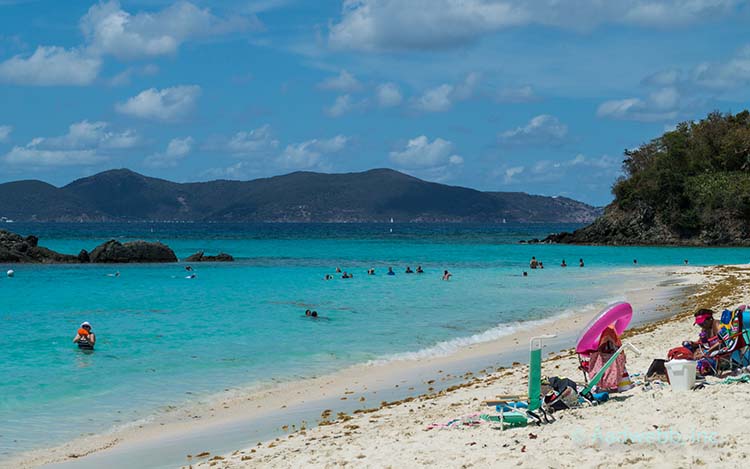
{"x":735,"y":338}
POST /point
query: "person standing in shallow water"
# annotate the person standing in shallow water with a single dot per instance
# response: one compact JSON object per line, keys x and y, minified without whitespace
{"x":563,"y":264}
{"x":580,"y":262}
{"x":534,"y":263}
{"x":85,"y":337}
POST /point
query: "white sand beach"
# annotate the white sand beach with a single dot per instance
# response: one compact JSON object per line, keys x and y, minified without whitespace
{"x":638,"y":428}
{"x":367,"y":423}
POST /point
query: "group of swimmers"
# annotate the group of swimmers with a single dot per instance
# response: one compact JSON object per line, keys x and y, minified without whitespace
{"x":346,"y":275}
{"x":537,"y":264}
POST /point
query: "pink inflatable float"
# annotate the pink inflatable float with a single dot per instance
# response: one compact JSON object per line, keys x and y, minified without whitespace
{"x":617,"y":315}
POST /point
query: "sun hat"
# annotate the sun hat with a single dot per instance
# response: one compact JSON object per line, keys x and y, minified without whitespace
{"x":701,"y":318}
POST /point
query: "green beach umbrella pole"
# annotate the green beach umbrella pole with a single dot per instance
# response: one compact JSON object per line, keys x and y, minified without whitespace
{"x":535,"y":370}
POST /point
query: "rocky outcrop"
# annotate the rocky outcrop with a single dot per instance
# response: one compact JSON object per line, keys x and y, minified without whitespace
{"x":645,"y":227}
{"x":17,"y":249}
{"x":114,"y":252}
{"x":201,"y":257}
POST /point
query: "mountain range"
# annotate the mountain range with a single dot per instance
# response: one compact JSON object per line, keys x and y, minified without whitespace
{"x":377,"y":195}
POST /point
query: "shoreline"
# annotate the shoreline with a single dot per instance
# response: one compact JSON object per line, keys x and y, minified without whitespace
{"x":280,"y":409}
{"x":626,"y":429}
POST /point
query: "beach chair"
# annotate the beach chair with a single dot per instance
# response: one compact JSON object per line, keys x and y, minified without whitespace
{"x":586,"y":392}
{"x":735,"y":338}
{"x":617,"y":316}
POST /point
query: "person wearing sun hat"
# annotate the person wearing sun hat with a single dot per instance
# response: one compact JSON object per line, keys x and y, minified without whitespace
{"x":704,"y":318}
{"x":85,"y":337}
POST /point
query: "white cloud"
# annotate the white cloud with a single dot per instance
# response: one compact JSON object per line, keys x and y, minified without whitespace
{"x":556,"y":168}
{"x":540,"y":130}
{"x":235,"y":171}
{"x":85,"y":143}
{"x":93,"y":134}
{"x":344,"y":82}
{"x":310,"y":154}
{"x":168,"y":104}
{"x":430,"y":24}
{"x":420,"y":153}
{"x":124,"y":78}
{"x":340,"y":106}
{"x":5,"y":131}
{"x":177,"y":149}
{"x":441,"y":98}
{"x":732,"y":73}
{"x":31,"y":156}
{"x":510,"y":173}
{"x":257,"y":142}
{"x":388,"y":95}
{"x":660,"y":105}
{"x":111,"y":30}
{"x":521,"y":94}
{"x":49,"y":66}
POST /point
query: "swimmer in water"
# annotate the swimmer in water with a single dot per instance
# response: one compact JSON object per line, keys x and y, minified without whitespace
{"x":408,"y":270}
{"x":563,"y":264}
{"x":338,"y":270}
{"x":541,"y":265}
{"x":370,"y":271}
{"x":635,"y":261}
{"x":188,"y":268}
{"x":533,"y":264}
{"x":329,"y":277}
{"x":447,"y":275}
{"x":419,"y":269}
{"x":85,"y":338}
{"x":308,"y":312}
{"x":390,"y":271}
{"x":314,"y":314}
{"x":191,"y":276}
{"x":525,"y":274}
{"x":580,"y":262}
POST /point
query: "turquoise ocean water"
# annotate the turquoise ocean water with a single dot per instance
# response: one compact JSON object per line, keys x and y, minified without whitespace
{"x":164,"y":339}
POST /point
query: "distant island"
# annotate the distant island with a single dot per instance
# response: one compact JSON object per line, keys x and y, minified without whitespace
{"x":690,"y":186}
{"x":378,"y":195}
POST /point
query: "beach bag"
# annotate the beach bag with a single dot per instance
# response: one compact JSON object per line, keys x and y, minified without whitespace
{"x":563,"y":395}
{"x":680,"y":353}
{"x":657,"y":370}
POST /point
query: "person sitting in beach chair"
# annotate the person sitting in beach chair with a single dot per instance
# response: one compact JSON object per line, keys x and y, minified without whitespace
{"x":729,"y":348}
{"x":616,"y":377}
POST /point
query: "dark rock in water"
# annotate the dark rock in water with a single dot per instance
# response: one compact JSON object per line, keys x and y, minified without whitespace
{"x":136,"y":251}
{"x":83,"y":257}
{"x":32,"y":241}
{"x":16,"y":249}
{"x":200,"y":257}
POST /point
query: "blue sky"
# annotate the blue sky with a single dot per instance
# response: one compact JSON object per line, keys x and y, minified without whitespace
{"x":540,"y":96}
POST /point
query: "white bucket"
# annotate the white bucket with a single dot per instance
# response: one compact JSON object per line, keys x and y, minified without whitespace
{"x":681,"y":374}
